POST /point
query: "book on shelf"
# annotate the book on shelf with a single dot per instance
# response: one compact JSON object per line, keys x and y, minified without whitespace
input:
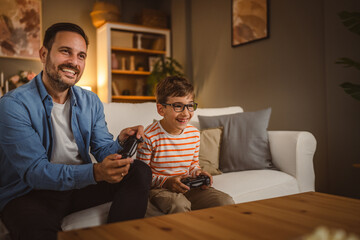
{"x":122,"y":39}
{"x":115,"y":89}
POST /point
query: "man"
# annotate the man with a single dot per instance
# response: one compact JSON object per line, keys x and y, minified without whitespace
{"x":46,"y":130}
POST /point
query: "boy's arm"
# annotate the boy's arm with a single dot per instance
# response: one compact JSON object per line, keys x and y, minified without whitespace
{"x":194,"y":167}
{"x":145,"y":154}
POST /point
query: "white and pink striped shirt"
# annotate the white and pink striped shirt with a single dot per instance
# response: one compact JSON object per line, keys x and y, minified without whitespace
{"x":170,"y":155}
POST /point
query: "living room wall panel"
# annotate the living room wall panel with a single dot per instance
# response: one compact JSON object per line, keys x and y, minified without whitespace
{"x":284,"y":72}
{"x":293,"y":72}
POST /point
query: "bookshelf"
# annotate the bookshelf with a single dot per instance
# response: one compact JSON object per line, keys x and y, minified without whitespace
{"x":125,"y":56}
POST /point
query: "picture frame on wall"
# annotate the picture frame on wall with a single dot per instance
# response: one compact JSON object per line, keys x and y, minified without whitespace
{"x":249,"y":21}
{"x":20,"y":24}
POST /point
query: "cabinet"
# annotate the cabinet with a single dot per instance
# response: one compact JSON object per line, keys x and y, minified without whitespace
{"x":125,"y":56}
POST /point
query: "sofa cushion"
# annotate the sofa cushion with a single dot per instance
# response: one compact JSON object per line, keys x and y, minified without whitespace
{"x":254,"y":185}
{"x":210,"y":140}
{"x":242,"y":186}
{"x":96,"y":216}
{"x":212,"y":112}
{"x":90,"y":217}
{"x":245,"y":143}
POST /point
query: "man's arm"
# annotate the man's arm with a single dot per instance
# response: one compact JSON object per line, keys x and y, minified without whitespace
{"x":25,"y":153}
{"x":102,"y":142}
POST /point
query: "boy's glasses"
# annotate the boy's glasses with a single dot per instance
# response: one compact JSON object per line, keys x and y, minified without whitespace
{"x":179,"y":107}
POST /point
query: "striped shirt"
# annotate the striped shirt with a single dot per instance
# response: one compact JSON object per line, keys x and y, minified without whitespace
{"x":170,"y":155}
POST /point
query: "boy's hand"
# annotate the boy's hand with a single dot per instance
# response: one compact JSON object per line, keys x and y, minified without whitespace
{"x":200,"y":172}
{"x":112,"y":169}
{"x":174,"y":184}
{"x":138,"y":130}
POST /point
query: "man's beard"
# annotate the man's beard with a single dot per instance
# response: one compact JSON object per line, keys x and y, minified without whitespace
{"x":54,"y":77}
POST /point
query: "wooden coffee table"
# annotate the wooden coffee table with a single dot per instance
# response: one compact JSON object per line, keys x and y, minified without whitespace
{"x":288,"y":217}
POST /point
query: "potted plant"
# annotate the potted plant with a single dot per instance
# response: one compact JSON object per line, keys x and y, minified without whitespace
{"x":164,"y":67}
{"x":351,"y":20}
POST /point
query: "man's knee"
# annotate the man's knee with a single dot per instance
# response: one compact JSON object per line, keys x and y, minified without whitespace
{"x":142,"y":171}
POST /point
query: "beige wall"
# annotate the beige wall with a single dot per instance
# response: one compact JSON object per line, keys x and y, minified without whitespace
{"x":76,"y":12}
{"x":293,"y":72}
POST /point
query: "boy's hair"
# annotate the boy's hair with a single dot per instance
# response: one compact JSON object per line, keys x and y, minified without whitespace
{"x":174,"y":86}
{"x":63,"y":26}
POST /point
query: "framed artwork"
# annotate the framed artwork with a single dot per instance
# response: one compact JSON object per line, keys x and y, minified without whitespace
{"x":20,"y":29}
{"x":249,"y":20}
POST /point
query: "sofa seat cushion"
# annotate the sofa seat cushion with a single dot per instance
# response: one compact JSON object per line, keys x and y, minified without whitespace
{"x":254,"y":185}
{"x":90,"y":217}
{"x":260,"y":184}
{"x":96,"y":216}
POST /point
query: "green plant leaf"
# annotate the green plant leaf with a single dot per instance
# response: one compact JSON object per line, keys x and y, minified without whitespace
{"x":347,"y":62}
{"x":352,"y":89}
{"x":164,"y":67}
{"x":351,"y":20}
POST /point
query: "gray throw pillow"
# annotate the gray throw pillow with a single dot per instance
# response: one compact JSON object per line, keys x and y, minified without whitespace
{"x":245,"y":143}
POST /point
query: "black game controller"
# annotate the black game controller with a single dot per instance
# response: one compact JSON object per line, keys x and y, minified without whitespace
{"x":130,"y":146}
{"x":196,"y":182}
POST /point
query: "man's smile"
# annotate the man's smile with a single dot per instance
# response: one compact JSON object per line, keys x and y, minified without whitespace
{"x":69,"y":71}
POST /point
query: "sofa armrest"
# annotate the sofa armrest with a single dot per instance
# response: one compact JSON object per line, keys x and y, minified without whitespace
{"x":292,"y":152}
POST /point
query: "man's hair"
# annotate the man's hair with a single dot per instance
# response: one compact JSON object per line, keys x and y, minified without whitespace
{"x":174,"y":86}
{"x":63,"y":26}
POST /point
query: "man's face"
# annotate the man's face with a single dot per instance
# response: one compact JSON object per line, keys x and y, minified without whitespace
{"x":65,"y":62}
{"x":175,"y":122}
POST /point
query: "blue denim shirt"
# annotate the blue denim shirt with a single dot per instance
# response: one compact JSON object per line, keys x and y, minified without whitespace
{"x":26,"y":141}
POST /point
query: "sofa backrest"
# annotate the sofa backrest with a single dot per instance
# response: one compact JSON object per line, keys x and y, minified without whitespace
{"x":121,"y":115}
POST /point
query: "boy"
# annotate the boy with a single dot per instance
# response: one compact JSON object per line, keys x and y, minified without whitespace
{"x":171,"y":150}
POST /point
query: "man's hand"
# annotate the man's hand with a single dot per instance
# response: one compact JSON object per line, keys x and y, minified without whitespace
{"x":125,"y":133}
{"x":200,"y":172}
{"x":112,"y":169}
{"x":174,"y":184}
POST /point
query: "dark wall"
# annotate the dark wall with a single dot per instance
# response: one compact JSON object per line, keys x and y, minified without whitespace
{"x":293,"y":72}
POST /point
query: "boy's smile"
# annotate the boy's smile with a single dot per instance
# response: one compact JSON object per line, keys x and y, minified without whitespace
{"x":175,"y":122}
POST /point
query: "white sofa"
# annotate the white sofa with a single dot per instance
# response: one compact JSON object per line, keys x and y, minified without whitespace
{"x":292,"y":153}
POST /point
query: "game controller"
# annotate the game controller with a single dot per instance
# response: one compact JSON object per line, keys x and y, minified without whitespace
{"x":196,"y":182}
{"x":130,"y":146}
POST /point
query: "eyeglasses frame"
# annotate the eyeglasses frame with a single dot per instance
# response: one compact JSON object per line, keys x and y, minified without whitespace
{"x":184,"y":105}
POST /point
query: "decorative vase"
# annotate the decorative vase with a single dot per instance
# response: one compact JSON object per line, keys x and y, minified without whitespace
{"x":114,"y":61}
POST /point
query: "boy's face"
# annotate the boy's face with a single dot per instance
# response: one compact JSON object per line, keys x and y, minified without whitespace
{"x":175,"y":122}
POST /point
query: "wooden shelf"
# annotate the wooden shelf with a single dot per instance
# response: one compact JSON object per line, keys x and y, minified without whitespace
{"x":128,"y":72}
{"x":136,"y":50}
{"x":141,"y":48}
{"x":130,"y":98}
